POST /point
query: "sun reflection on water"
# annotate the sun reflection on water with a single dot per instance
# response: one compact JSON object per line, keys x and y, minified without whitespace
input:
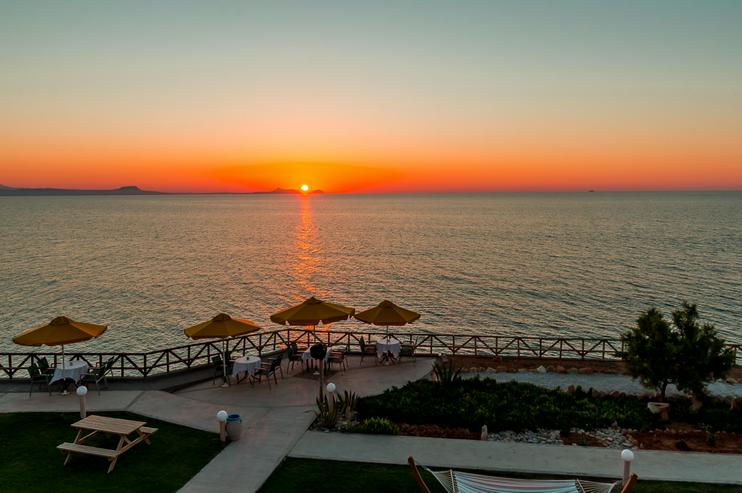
{"x":306,"y":262}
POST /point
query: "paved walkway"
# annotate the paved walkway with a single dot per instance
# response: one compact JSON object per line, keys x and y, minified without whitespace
{"x":277,"y":418}
{"x":519,"y":457}
{"x":603,"y":381}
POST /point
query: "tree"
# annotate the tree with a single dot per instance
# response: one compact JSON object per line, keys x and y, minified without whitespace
{"x":684,"y":353}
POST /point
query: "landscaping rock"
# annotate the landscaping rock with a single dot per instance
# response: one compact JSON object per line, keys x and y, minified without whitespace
{"x":585,"y":371}
{"x":731,"y":381}
{"x":561,"y":369}
{"x":573,"y":370}
{"x":541,"y":369}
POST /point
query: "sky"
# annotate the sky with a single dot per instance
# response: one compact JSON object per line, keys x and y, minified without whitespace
{"x":355,"y":96}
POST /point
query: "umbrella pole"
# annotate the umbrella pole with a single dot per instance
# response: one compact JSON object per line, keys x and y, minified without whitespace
{"x":64,"y":391}
{"x":224,"y":363}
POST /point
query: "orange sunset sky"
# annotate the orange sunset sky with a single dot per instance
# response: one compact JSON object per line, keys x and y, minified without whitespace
{"x":371,"y":97}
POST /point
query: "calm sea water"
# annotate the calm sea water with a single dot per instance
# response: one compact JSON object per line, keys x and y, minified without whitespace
{"x":530,"y":264}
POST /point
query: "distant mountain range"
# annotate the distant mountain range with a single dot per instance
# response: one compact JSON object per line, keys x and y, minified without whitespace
{"x":128,"y":190}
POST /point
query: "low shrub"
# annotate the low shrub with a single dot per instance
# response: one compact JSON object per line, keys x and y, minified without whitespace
{"x":375,"y":426}
{"x":514,"y":406}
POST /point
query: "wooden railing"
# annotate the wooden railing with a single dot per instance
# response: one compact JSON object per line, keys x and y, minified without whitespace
{"x":180,"y":358}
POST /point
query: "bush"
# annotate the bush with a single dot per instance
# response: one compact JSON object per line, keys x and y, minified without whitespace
{"x":472,"y":403}
{"x":684,"y":353}
{"x":375,"y":426}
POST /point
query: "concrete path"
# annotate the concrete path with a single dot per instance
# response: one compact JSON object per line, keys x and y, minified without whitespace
{"x":274,"y":419}
{"x":602,"y":381}
{"x":519,"y":457}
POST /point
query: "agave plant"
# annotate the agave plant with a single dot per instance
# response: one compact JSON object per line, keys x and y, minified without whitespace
{"x":347,"y":403}
{"x":327,"y":412}
{"x":445,"y":373}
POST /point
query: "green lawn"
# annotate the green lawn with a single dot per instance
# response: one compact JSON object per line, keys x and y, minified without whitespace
{"x":30,"y":462}
{"x":310,"y":476}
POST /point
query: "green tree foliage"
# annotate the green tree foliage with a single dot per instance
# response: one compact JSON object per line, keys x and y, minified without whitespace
{"x":684,"y":353}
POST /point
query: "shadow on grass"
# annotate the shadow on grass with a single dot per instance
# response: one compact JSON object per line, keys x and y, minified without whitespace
{"x":30,"y":461}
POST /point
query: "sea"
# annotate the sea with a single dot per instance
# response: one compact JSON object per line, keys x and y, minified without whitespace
{"x":532,"y":264}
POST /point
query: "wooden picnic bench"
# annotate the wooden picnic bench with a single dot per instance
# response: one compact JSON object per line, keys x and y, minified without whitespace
{"x":112,"y":426}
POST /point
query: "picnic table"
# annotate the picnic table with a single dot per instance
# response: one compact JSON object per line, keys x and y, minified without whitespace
{"x":112,"y":426}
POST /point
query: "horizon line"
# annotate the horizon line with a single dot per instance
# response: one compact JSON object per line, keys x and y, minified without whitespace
{"x":278,"y":190}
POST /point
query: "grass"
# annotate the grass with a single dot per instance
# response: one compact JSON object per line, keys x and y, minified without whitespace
{"x":310,"y":476}
{"x":30,"y":461}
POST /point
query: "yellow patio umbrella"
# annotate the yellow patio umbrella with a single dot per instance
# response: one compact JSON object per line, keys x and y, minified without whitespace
{"x":387,"y":313}
{"x":221,"y":327}
{"x":58,"y":332}
{"x":311,"y":312}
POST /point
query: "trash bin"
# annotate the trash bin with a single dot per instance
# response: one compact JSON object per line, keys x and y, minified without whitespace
{"x":234,"y":427}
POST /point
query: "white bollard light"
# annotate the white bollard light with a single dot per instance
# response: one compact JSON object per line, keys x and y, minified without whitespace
{"x":331,"y":387}
{"x":627,"y":456}
{"x":221,"y":417}
{"x":82,"y":391}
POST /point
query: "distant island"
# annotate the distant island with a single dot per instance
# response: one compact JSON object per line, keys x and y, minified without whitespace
{"x":130,"y":190}
{"x":284,"y":191}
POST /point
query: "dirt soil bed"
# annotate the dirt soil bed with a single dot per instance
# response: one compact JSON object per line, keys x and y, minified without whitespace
{"x":689,"y":441}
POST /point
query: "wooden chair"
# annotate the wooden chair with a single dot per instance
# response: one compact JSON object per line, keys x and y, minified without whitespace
{"x":279,"y":357}
{"x":268,"y":369}
{"x":337,"y":358}
{"x":99,"y":374}
{"x":39,"y":378}
{"x":368,"y":350}
{"x":450,"y":481}
{"x":295,"y":355}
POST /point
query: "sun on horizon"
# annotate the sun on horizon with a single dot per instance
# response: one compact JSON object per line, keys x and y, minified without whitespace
{"x":304,"y":188}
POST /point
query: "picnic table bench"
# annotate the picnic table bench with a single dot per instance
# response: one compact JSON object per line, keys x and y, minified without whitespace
{"x":112,"y":426}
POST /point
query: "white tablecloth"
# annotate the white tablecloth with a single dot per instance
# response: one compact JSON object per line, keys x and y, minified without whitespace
{"x":245,"y":364}
{"x":388,"y":345}
{"x":307,"y":355}
{"x":72,"y":369}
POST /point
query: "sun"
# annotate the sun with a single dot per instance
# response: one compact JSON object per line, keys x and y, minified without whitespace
{"x":304,"y":188}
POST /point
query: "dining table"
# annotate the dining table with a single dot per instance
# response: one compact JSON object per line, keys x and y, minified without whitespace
{"x":388,"y":349}
{"x":70,"y":370}
{"x":245,"y":366}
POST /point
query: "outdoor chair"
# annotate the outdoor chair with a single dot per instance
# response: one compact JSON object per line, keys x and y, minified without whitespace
{"x":99,"y":374}
{"x":279,"y":357}
{"x":295,"y":354}
{"x":453,"y":481}
{"x":337,"y":358}
{"x":39,"y":378}
{"x":368,"y":350}
{"x":268,"y":369}
{"x":407,"y":351}
{"x":44,"y":366}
